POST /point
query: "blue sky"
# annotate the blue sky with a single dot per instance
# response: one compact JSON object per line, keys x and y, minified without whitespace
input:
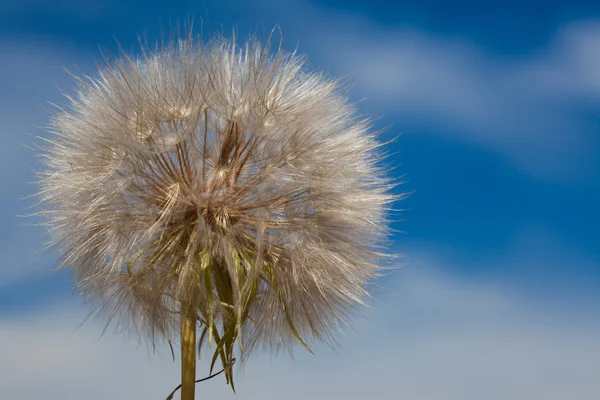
{"x":498,"y":111}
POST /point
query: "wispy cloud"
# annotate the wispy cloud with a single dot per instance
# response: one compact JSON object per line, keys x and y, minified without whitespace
{"x":530,"y":108}
{"x":436,"y":337}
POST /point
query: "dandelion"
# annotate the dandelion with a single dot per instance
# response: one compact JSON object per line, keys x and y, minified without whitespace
{"x":218,"y":194}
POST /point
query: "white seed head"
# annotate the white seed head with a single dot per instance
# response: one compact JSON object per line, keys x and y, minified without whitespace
{"x":228,"y":179}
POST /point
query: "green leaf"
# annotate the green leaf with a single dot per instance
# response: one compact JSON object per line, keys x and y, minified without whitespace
{"x":293,"y":328}
{"x":209,"y":294}
{"x":269,"y":272}
{"x":201,"y":340}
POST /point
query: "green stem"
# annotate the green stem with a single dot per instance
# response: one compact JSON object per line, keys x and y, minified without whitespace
{"x":188,"y":353}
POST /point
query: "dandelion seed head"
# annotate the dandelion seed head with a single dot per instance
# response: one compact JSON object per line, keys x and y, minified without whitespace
{"x":226,"y":178}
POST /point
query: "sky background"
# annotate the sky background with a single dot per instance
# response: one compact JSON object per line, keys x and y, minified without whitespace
{"x":497,"y":108}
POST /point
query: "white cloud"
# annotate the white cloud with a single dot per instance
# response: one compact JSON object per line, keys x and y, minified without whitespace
{"x":524,"y":106}
{"x":438,"y":338}
{"x":573,"y":67}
